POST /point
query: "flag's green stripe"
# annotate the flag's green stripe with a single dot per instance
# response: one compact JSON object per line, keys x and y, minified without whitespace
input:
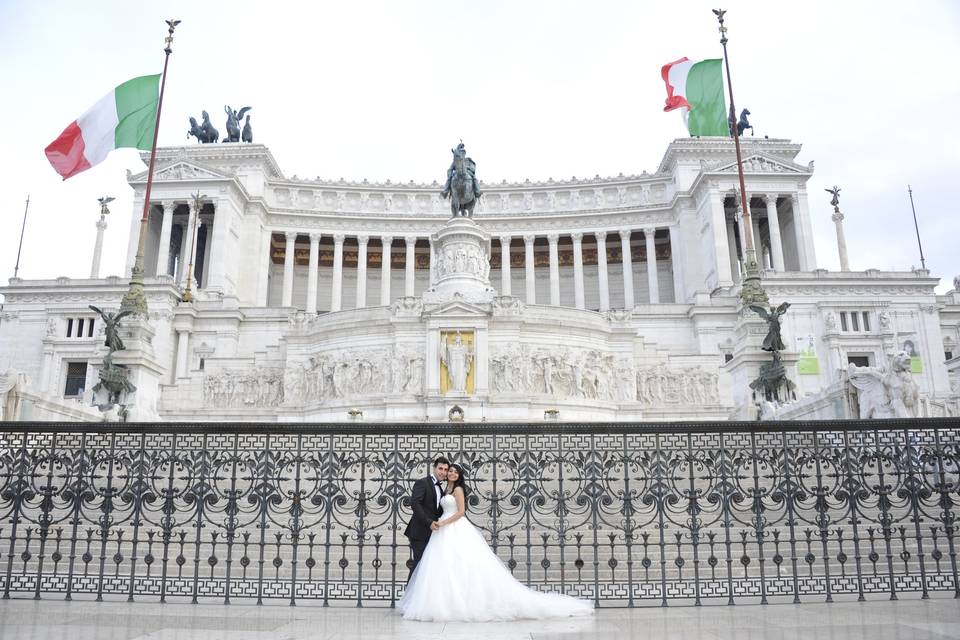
{"x":137,"y":112}
{"x":708,"y":110}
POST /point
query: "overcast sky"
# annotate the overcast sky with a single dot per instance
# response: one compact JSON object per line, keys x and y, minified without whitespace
{"x":383,"y":90}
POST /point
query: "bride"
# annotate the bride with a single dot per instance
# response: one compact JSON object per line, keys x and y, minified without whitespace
{"x":459,"y":578}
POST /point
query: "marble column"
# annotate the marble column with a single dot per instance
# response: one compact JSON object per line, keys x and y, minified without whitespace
{"x":732,"y":244}
{"x":312,"y":274}
{"x":163,"y":251}
{"x":288,"y":256}
{"x":841,"y":239}
{"x":505,"y":265}
{"x":182,"y":252}
{"x":676,"y":263}
{"x":757,"y":241}
{"x":721,"y":243}
{"x":627,"y":269}
{"x":192,"y":264}
{"x":409,"y":266}
{"x":183,"y":341}
{"x":602,"y":270}
{"x":98,"y":249}
{"x":385,"y":259}
{"x":652,"y":282}
{"x":773,"y":222}
{"x":578,"y":300}
{"x":529,"y":267}
{"x":553,"y":239}
{"x":337,"y":288}
{"x":362,"y":271}
{"x":263,"y":278}
{"x":190,"y":242}
{"x":433,"y":261}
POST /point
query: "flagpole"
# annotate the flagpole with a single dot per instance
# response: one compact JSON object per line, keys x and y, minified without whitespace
{"x":751,"y":290}
{"x":135,"y":299}
{"x":23,"y":227}
{"x":916,"y":227}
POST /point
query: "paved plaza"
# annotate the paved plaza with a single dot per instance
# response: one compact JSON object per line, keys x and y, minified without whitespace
{"x":22,"y":619}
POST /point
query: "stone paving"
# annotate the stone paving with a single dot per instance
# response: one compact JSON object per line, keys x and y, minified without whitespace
{"x":24,"y":619}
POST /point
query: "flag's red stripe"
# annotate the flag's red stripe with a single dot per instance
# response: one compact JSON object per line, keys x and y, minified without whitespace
{"x":673,"y":102}
{"x":66,"y":152}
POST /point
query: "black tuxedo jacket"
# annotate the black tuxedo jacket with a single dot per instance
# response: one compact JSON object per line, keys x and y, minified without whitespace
{"x":425,"y":509}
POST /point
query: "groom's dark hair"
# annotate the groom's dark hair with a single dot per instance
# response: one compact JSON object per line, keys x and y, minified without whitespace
{"x":441,"y":460}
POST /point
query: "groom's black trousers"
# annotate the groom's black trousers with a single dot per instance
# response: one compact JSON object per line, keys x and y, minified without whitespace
{"x":417,"y":546}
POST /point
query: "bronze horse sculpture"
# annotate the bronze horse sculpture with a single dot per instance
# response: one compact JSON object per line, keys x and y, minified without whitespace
{"x":462,"y":187}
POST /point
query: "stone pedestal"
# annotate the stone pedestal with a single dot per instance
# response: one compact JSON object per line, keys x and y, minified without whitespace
{"x":463,"y":266}
{"x":748,"y":357}
{"x":146,"y":373}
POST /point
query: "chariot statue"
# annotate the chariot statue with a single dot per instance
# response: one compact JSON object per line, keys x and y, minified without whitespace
{"x":887,"y":391}
{"x":462,"y":186}
{"x":233,"y":123}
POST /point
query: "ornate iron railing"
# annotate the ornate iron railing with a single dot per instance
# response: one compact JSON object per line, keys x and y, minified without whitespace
{"x":621,"y":514}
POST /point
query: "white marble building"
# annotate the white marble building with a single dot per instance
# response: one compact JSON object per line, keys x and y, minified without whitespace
{"x":298,"y":315}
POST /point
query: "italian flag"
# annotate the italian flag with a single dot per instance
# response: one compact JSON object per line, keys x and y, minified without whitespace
{"x":697,"y":87}
{"x":125,"y":117}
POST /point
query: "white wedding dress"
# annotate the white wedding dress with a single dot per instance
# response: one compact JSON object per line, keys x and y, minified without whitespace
{"x":461,"y":579}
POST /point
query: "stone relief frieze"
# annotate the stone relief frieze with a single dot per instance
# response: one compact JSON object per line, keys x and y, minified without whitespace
{"x":408,"y":306}
{"x":246,"y":388}
{"x":562,"y":373}
{"x":352,"y":374}
{"x":661,"y":386}
{"x":508,"y":306}
{"x":463,"y":258}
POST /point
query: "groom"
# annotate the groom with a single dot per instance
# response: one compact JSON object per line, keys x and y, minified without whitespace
{"x":425,"y":502}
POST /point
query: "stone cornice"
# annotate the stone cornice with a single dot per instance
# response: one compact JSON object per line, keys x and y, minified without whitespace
{"x":717,"y":148}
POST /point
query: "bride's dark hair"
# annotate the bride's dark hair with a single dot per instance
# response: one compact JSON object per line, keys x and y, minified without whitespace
{"x":460,"y":481}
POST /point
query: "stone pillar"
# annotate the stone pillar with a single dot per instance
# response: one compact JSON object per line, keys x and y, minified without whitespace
{"x":182,"y":252}
{"x":312,"y":274}
{"x":732,"y":244}
{"x":841,"y":239}
{"x":652,"y":281}
{"x":387,"y":243}
{"x":335,"y":293}
{"x":288,"y":269}
{"x":263,"y":278}
{"x":409,"y":264}
{"x":773,"y":221}
{"x":183,"y":341}
{"x":134,"y":238}
{"x":806,"y":253}
{"x":163,"y":251}
{"x":362,"y":271}
{"x":192,"y":264}
{"x":602,"y":270}
{"x":190,"y":241}
{"x":676,"y":264}
{"x":578,"y":270}
{"x":529,"y":267}
{"x":554,"y":239}
{"x":757,"y":241}
{"x":505,"y":284}
{"x":98,"y":248}
{"x":433,"y":261}
{"x":627,"y":269}
{"x":721,"y":250}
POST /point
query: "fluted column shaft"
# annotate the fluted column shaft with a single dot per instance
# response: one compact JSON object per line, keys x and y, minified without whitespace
{"x":553,"y":240}
{"x":312,"y":274}
{"x":409,"y":266}
{"x":362,"y":271}
{"x":163,"y":251}
{"x":288,"y":269}
{"x":732,"y":246}
{"x":776,"y":244}
{"x":337,"y":288}
{"x":385,"y":258}
{"x":98,"y":247}
{"x":578,"y":298}
{"x":602,"y":270}
{"x":652,"y":280}
{"x":528,"y":267}
{"x":505,"y":266}
{"x":628,"y":302}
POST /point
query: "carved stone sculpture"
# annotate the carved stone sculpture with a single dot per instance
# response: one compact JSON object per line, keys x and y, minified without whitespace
{"x":886,"y":391}
{"x":237,"y":389}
